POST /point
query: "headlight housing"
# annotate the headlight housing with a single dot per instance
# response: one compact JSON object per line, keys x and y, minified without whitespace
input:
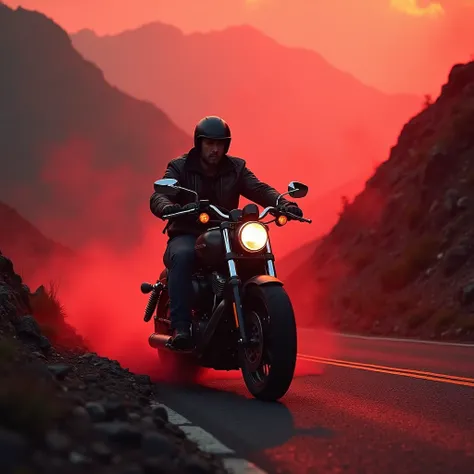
{"x":253,"y":236}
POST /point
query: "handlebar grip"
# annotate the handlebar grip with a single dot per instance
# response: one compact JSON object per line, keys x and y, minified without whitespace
{"x":297,"y":218}
{"x":180,"y":213}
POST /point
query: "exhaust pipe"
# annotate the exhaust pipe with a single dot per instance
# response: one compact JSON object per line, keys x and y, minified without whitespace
{"x":158,"y":341}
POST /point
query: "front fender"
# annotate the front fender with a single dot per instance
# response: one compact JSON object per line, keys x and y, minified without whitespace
{"x":260,"y":280}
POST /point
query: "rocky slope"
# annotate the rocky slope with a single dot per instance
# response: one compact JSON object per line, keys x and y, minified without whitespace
{"x":78,"y":156}
{"x":64,"y":410}
{"x":399,"y":260}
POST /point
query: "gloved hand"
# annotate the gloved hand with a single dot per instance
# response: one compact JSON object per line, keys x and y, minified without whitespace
{"x":191,"y":205}
{"x":173,"y":208}
{"x":293,"y":209}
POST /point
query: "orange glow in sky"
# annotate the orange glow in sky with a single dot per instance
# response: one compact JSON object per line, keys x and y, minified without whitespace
{"x":412,"y":7}
{"x":393,"y":45}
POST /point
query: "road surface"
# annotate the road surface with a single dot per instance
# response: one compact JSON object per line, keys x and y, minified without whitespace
{"x":357,"y":405}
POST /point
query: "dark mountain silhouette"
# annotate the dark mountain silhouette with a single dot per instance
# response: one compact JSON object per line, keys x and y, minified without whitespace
{"x":29,"y":247}
{"x":293,"y":114}
{"x":77,"y":155}
{"x":400,"y":258}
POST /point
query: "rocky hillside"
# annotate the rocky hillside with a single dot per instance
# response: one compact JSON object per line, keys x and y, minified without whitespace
{"x":65,"y":410}
{"x":78,"y":156}
{"x":400,"y":259}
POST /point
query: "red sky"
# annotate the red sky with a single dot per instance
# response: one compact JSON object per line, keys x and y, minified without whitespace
{"x":395,"y":45}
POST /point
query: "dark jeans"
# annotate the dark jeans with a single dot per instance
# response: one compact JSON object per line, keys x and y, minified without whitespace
{"x":179,"y":260}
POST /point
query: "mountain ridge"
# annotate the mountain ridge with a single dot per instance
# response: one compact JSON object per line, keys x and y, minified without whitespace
{"x":298,"y":108}
{"x":89,"y":33}
{"x":71,"y":142}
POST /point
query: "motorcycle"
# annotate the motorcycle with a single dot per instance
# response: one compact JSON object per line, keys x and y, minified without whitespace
{"x":242,"y":317}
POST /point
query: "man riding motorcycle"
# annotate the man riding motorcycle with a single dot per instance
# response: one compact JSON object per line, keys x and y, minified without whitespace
{"x":214,"y":175}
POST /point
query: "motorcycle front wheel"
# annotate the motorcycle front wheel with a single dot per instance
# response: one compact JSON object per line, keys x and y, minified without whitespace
{"x":268,"y":366}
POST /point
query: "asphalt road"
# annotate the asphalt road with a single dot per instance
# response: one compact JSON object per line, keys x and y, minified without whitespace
{"x":400,"y":414}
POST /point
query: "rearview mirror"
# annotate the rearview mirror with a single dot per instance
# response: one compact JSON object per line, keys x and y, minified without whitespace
{"x":168,"y":187}
{"x":297,"y":189}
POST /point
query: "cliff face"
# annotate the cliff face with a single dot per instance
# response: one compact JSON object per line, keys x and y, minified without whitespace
{"x":399,"y":259}
{"x":71,"y":145}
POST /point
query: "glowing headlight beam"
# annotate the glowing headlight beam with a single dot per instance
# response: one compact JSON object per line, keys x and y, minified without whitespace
{"x":253,"y":236}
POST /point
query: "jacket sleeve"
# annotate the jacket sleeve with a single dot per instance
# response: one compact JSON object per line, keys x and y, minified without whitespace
{"x":157,"y":200}
{"x":257,"y":191}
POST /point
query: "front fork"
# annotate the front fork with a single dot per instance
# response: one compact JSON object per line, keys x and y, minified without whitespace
{"x":234,"y":282}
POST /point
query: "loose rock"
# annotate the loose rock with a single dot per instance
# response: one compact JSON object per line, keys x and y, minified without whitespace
{"x":57,"y":441}
{"x":154,"y":443}
{"x":96,"y":411}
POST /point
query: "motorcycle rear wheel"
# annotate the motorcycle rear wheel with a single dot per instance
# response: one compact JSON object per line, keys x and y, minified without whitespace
{"x":268,"y":311}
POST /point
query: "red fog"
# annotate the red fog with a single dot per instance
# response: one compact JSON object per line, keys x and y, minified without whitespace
{"x":101,"y":290}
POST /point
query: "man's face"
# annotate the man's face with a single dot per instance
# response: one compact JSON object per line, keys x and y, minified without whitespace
{"x":212,"y":151}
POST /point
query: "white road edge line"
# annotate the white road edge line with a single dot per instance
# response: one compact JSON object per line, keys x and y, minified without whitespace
{"x":393,"y":339}
{"x":208,"y":443}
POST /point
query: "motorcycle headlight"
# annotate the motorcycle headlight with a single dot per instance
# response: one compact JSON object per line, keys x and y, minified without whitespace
{"x":253,"y":236}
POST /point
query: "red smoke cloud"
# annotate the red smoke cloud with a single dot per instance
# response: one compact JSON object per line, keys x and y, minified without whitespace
{"x":99,"y":196}
{"x":100,"y":290}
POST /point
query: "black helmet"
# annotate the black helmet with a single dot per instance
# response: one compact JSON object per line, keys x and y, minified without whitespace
{"x":212,"y":127}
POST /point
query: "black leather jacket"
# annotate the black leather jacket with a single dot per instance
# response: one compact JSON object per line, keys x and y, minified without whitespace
{"x":233,"y":180}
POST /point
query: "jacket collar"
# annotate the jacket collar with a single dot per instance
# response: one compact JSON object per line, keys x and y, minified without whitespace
{"x":193,"y":163}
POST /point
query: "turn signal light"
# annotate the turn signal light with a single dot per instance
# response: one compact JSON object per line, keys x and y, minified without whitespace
{"x":203,"y":218}
{"x":282,"y":220}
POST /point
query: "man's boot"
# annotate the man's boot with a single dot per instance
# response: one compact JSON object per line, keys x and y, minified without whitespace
{"x":181,"y":338}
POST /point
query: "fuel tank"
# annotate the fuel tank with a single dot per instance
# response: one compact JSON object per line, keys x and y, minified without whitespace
{"x":210,"y":248}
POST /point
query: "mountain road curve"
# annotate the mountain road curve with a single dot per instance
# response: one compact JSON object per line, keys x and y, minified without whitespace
{"x":356,"y":405}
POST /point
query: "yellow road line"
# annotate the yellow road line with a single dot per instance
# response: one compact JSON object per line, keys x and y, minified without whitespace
{"x":418,"y":374}
{"x":384,"y":367}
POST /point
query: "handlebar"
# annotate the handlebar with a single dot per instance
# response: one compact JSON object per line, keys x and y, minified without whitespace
{"x":266,"y":211}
